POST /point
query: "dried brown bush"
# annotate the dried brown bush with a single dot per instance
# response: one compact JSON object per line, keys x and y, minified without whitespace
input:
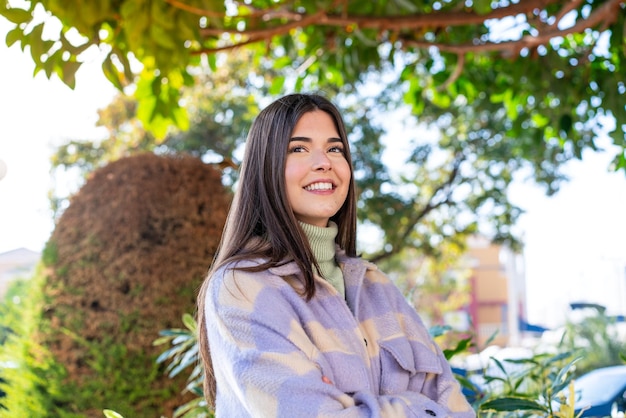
{"x":131,"y":251}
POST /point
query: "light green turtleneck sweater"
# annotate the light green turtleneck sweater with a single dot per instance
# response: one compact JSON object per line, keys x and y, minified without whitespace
{"x":322,"y":242}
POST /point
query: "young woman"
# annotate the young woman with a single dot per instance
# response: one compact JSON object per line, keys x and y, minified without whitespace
{"x":291,"y":322}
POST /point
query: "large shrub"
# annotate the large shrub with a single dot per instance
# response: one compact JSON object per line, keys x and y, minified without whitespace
{"x":124,"y":262}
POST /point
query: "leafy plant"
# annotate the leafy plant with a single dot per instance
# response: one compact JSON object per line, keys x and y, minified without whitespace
{"x":31,"y":378}
{"x":597,"y":336}
{"x":542,"y":384}
{"x":183,"y":355}
{"x":35,"y":382}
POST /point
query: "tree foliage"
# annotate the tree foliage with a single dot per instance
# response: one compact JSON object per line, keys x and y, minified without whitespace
{"x":422,"y":206}
{"x":552,"y":70}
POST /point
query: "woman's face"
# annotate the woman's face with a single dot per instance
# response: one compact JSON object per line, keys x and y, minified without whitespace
{"x":317,"y":174}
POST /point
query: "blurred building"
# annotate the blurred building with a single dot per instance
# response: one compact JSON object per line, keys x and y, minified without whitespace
{"x":498,"y":294}
{"x":14,"y":264}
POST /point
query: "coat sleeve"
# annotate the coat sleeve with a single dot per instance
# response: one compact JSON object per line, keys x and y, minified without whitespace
{"x":264,"y":367}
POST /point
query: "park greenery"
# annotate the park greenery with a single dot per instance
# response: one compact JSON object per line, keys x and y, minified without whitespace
{"x":447,"y":103}
{"x":540,"y":386}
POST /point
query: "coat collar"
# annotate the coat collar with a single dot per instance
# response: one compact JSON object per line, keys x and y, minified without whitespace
{"x":349,"y":265}
{"x":354,"y":271}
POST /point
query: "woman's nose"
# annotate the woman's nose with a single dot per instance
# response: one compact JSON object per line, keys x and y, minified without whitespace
{"x":321,"y":162}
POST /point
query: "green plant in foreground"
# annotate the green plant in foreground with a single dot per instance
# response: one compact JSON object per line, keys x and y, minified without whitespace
{"x":183,"y":355}
{"x":597,"y":335}
{"x":35,"y":383}
{"x":539,"y":386}
{"x":31,"y":377}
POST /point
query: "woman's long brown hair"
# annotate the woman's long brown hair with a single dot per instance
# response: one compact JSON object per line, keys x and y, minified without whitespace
{"x":260,"y":211}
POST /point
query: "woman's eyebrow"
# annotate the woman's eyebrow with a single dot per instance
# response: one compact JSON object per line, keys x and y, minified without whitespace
{"x":307,"y":139}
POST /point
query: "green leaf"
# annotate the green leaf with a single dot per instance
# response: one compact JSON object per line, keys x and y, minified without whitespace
{"x":299,"y":83}
{"x":190,"y":322}
{"x":439,"y":99}
{"x":121,"y":56}
{"x":540,"y":120}
{"x":561,"y":356}
{"x":17,"y":16}
{"x":13,"y":36}
{"x":191,"y":408}
{"x":161,"y":341}
{"x":162,"y":16}
{"x":111,"y":414}
{"x":482,"y":6}
{"x":510,"y":403}
{"x":36,"y":43}
{"x":187,"y":30}
{"x":500,"y":365}
{"x":158,"y":126}
{"x":111,"y":73}
{"x":162,"y":37}
{"x":491,"y":338}
{"x":173,"y":332}
{"x":68,"y":74}
{"x":51,"y":63}
{"x":212,"y":61}
{"x":461,"y":347}
{"x":137,"y":27}
{"x":277,"y":85}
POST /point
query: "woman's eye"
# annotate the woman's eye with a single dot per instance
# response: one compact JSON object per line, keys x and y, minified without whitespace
{"x":297,"y":148}
{"x":336,"y":149}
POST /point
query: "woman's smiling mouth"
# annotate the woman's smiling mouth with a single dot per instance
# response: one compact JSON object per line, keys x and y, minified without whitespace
{"x":319,"y":186}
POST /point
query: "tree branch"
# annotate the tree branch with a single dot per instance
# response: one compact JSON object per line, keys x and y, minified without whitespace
{"x":276,"y":12}
{"x":606,"y":13}
{"x":458,"y":70}
{"x":603,"y":14}
{"x":194,"y":10}
{"x":411,"y":21}
{"x":429,"y":207}
{"x":441,"y":19}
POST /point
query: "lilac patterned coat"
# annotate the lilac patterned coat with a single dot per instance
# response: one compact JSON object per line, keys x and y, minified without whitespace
{"x":369,"y":355}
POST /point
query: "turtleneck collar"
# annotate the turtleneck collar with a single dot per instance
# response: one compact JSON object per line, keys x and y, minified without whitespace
{"x":322,"y":242}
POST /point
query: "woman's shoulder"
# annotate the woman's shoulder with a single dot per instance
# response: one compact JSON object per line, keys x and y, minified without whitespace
{"x":249,"y":273}
{"x":248,"y":269}
{"x":238,"y":284}
{"x":233,"y":283}
{"x":242,"y":263}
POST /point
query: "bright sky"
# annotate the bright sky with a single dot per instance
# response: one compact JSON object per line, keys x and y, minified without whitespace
{"x":574,"y":242}
{"x":37,"y":114}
